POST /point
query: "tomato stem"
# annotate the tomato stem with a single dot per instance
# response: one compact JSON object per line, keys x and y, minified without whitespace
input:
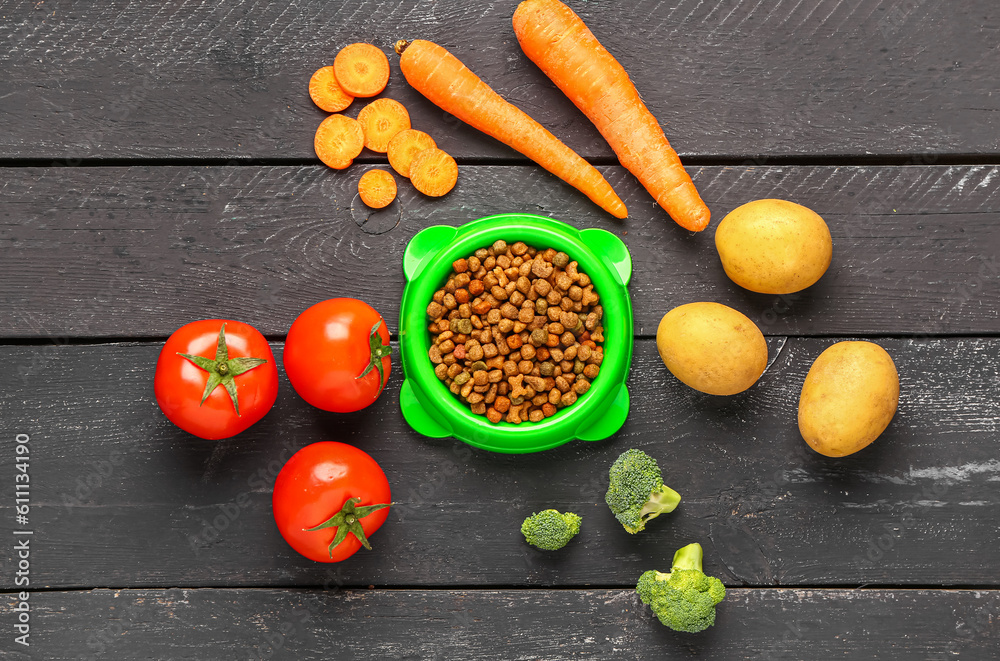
{"x":223,"y":369}
{"x":378,"y":352}
{"x":346,"y":521}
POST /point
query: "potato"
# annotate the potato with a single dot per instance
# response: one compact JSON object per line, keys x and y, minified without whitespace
{"x":712,"y":348}
{"x":848,"y":398}
{"x":774,"y":246}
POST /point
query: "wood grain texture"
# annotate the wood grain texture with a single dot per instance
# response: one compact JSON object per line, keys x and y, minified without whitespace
{"x":121,"y":498}
{"x":431,"y":625}
{"x":137,"y":251}
{"x":742,"y":78}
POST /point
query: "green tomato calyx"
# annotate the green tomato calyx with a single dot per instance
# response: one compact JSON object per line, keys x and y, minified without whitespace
{"x":347,"y":521}
{"x":378,"y":352}
{"x":223,"y":369}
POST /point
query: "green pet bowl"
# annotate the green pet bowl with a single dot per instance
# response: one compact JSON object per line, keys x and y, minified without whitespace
{"x":432,"y":410}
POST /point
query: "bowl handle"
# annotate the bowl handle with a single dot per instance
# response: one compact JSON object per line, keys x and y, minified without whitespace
{"x":614,"y":251}
{"x":606,"y":421}
{"x":428,"y":241}
{"x":417,"y":417}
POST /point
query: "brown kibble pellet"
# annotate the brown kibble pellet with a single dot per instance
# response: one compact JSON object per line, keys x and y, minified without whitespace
{"x":460,"y":265}
{"x":441,"y":371}
{"x":459,"y":352}
{"x":536,"y":415}
{"x":548,"y":410}
{"x":528,"y":352}
{"x":554,"y":396}
{"x":541,"y":269}
{"x":543,"y":287}
{"x":462,"y":296}
{"x":508,"y":311}
{"x":526,"y":315}
{"x":567,"y":339}
{"x":499,"y":247}
{"x":494,"y":375}
{"x":435,"y":310}
{"x":560,"y":259}
{"x":546,"y":368}
{"x":519,"y":248}
{"x":476,"y":287}
{"x":446,"y":346}
{"x":591,"y":371}
{"x":493,"y":415}
{"x":478,"y":408}
{"x":581,"y":386}
{"x":514,"y":341}
{"x":501,"y":404}
{"x":480,"y":378}
{"x":568,"y":399}
{"x":435,"y":354}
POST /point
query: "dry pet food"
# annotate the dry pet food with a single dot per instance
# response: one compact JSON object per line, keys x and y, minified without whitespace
{"x":516,"y":332}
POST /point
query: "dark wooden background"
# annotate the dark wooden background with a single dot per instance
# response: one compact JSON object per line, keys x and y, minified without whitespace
{"x":157,"y":168}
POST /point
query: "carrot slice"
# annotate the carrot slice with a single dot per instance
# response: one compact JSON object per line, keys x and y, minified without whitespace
{"x":433,"y":172}
{"x":326,"y":93}
{"x":361,"y":69}
{"x":404,"y":146}
{"x":377,"y":188}
{"x":339,"y":139}
{"x":381,"y":120}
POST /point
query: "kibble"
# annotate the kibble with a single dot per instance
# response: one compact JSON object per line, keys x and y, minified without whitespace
{"x":516,"y":332}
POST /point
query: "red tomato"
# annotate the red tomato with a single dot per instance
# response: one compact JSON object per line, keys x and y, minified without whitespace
{"x":336,"y":353}
{"x":215,"y":377}
{"x":315,"y":487}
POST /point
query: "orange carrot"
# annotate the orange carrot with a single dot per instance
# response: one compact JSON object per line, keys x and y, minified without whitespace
{"x":361,"y":69}
{"x":377,"y":188}
{"x":326,"y":93}
{"x":381,"y":120}
{"x":442,"y":78}
{"x":339,"y":139}
{"x":404,"y":146}
{"x":433,"y":172}
{"x":554,"y":38}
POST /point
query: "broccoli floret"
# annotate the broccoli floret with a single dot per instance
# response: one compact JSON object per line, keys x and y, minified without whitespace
{"x":550,"y":530}
{"x":685,"y":598}
{"x":637,"y":493}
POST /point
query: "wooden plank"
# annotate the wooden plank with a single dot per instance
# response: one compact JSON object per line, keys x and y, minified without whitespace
{"x":546,"y":625}
{"x":121,"y":498}
{"x":738,"y":78}
{"x":134,"y":252}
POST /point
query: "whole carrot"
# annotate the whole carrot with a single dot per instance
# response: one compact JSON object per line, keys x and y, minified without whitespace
{"x":556,"y":39}
{"x":448,"y":84}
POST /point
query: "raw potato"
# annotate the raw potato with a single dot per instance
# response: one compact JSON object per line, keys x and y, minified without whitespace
{"x":848,"y":398}
{"x":774,"y":246}
{"x":712,"y":348}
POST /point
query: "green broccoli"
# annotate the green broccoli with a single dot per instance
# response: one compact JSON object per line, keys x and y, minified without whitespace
{"x":684,"y":599}
{"x":550,"y":530}
{"x":637,"y":493}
